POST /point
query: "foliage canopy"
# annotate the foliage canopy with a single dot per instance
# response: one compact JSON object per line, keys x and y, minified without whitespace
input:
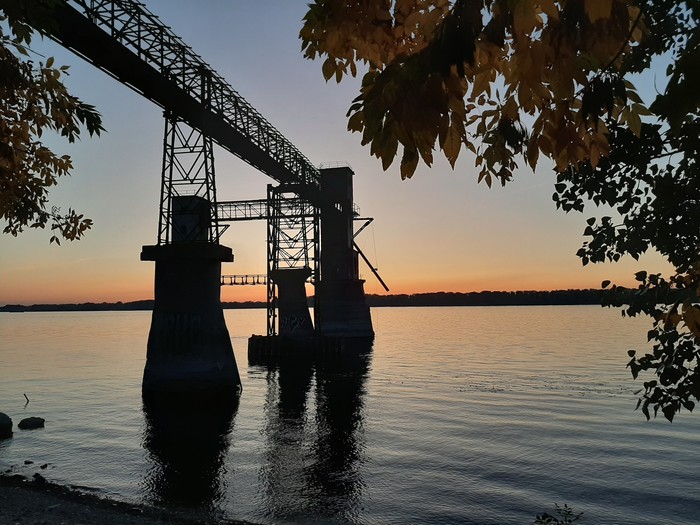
{"x":515,"y":81}
{"x":34,"y":100}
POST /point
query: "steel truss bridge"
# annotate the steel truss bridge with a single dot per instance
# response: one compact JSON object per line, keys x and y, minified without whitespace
{"x":128,"y":42}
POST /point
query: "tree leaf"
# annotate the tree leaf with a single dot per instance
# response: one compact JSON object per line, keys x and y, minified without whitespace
{"x":635,"y":123}
{"x":409,"y":162}
{"x":453,"y":144}
{"x":598,"y":9}
{"x":691,"y":318}
{"x":328,"y":68}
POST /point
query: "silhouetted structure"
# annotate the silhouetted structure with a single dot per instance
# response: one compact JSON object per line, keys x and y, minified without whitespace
{"x":341,"y":296}
{"x":130,"y":43}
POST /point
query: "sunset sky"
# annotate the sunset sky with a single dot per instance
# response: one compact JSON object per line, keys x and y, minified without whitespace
{"x":440,"y":231}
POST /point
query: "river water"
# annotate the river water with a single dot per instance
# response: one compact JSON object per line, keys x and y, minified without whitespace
{"x":456,"y":415}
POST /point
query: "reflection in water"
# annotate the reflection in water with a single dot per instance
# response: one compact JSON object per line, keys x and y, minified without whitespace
{"x":187,"y":438}
{"x":315,"y":444}
{"x":339,"y":443}
{"x":285,"y":422}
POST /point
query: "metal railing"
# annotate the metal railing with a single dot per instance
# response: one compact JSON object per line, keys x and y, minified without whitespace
{"x":244,"y":279}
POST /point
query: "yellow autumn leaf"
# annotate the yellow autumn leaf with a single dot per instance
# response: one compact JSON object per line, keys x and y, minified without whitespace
{"x":549,"y":8}
{"x":598,"y":9}
{"x":510,"y":109}
{"x":691,"y":317}
{"x":456,"y":105}
{"x":533,"y":152}
{"x":633,"y":121}
{"x":641,"y":109}
{"x":671,"y":319}
{"x":409,"y":162}
{"x":524,"y":18}
{"x":328,"y":68}
{"x":594,"y":155}
{"x":481,"y":84}
{"x":453,"y":144}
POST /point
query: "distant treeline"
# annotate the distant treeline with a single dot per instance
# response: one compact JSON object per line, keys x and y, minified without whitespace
{"x":108,"y":307}
{"x":525,"y":298}
{"x":79,"y":307}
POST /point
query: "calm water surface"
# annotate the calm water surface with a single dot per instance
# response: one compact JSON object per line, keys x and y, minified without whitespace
{"x":457,"y":415}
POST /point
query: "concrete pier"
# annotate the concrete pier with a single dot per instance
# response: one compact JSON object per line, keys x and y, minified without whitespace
{"x":341,"y":296}
{"x":189,"y":347}
{"x":344,"y":311}
{"x":293,"y":310}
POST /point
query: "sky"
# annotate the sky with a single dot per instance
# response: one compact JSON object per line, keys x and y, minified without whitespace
{"x":439,"y":231}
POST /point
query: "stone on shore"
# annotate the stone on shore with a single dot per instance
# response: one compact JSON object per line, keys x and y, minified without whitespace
{"x":5,"y":426}
{"x":38,"y":478}
{"x":30,"y":423}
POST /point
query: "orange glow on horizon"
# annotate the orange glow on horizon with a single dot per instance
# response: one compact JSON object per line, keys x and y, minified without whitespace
{"x":84,"y":288}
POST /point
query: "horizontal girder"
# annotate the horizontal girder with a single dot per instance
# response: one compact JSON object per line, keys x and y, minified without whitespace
{"x":256,"y":209}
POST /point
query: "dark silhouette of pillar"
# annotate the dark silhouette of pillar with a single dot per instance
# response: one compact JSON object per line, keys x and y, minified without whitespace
{"x":341,"y":295}
{"x":294,"y":318}
{"x":189,"y":347}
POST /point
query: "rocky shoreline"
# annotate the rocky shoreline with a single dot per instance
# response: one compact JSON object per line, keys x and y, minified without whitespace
{"x":29,"y":498}
{"x":40,"y":502}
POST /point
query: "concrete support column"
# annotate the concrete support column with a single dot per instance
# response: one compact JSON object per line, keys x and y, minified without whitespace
{"x":343,"y":307}
{"x":294,"y":316}
{"x":189,"y":347}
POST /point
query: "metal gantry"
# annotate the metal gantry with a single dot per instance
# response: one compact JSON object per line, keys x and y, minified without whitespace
{"x":293,"y":237}
{"x":188,"y":184}
{"x":293,"y":241}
